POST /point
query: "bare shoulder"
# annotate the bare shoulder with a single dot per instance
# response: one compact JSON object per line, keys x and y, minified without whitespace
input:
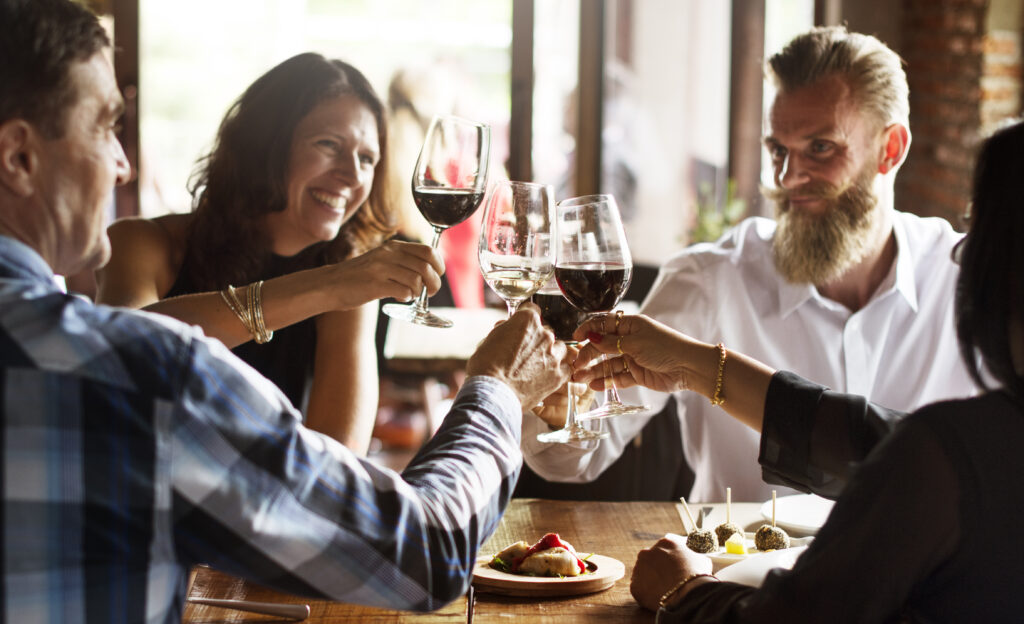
{"x":137,"y":239}
{"x":146,"y":255}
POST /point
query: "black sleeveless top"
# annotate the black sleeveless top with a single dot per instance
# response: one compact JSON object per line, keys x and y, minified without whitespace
{"x":287,"y":360}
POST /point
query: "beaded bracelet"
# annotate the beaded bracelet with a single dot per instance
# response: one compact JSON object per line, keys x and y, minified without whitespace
{"x":716,"y":398}
{"x":678,"y":586}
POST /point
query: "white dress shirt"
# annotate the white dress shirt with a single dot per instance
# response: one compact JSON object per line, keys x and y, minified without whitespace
{"x":899,"y":350}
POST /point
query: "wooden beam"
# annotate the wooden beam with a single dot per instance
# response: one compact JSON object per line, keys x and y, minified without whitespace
{"x":827,"y":12}
{"x":746,"y":93}
{"x":591,"y":92}
{"x":520,"y":158}
{"x":126,"y":69}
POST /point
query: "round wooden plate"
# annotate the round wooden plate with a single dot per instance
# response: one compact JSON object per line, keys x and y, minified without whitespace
{"x":604,"y":571}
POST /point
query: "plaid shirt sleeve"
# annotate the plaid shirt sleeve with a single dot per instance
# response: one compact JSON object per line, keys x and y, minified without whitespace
{"x":258,"y":495}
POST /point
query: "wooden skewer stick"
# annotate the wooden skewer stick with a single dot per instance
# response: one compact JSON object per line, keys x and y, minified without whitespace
{"x":728,"y":505}
{"x":773,"y":508}
{"x":682,"y":499}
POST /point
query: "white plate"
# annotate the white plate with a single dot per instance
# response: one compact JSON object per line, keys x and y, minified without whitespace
{"x":799,"y":513}
{"x":721,"y":559}
{"x":753,"y":570}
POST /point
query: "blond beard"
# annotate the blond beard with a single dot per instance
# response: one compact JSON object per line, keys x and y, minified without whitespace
{"x":820,"y":248}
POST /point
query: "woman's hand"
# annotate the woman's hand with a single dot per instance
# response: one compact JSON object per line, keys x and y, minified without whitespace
{"x":396,"y":269}
{"x":646,"y":352}
{"x":662,"y":566}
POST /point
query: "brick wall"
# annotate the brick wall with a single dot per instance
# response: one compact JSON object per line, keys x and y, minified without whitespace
{"x":944,"y":45}
{"x":1000,"y":77}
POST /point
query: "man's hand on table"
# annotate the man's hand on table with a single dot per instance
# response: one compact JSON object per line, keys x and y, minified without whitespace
{"x":662,"y":566}
{"x":524,"y":354}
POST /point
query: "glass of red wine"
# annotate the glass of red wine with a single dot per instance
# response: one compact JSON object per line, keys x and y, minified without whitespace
{"x":448,"y":184}
{"x":516,"y":253}
{"x":563,"y":318}
{"x":593,"y":270}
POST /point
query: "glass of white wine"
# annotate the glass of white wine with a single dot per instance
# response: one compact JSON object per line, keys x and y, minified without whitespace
{"x":517,"y":253}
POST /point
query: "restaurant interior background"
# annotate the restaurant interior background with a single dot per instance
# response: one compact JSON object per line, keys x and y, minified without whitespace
{"x":657,"y":101}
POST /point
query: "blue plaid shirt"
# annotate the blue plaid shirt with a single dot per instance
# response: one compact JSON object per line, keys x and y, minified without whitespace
{"x":134,"y":447}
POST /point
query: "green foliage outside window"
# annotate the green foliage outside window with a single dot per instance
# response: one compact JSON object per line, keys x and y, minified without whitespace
{"x":711,"y":220}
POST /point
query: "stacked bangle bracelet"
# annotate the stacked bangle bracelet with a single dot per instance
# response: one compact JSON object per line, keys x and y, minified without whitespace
{"x":251,"y":312}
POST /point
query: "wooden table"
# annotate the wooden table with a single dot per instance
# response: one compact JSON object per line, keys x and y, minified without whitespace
{"x":617,"y":530}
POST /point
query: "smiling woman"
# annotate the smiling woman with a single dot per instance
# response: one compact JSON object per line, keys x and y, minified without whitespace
{"x":285,"y":203}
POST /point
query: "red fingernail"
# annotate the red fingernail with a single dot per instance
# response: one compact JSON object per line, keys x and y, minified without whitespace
{"x":595,"y":337}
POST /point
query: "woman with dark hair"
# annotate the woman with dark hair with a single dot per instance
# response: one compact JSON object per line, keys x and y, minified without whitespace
{"x":926,"y":525}
{"x":285,"y":242}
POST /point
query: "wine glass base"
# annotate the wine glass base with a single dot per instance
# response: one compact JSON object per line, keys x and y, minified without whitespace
{"x":575,"y":434}
{"x":409,"y":312}
{"x":610,"y":410}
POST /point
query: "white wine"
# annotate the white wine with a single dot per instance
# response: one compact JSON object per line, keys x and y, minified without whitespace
{"x":515,"y":284}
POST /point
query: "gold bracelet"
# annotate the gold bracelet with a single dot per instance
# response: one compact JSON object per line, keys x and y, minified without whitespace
{"x":230,"y":298}
{"x":678,"y":586}
{"x":716,"y":398}
{"x":261,"y":334}
{"x":246,"y":311}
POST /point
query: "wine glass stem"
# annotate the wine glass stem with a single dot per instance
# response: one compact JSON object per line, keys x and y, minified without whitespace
{"x":570,"y":416}
{"x":611,"y":391}
{"x":421,"y":302}
{"x":512,"y":306}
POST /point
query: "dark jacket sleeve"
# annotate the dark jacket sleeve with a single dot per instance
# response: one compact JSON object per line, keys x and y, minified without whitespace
{"x":813,"y":438}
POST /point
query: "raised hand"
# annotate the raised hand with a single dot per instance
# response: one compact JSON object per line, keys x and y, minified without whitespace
{"x":525,"y":355}
{"x":647,"y":353}
{"x":395,"y":269}
{"x":553,"y":408}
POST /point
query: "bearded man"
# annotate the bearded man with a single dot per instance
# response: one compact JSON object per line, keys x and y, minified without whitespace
{"x":841,"y":288}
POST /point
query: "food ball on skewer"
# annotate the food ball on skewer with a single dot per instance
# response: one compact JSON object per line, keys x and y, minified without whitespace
{"x":698,"y":540}
{"x":702,"y":541}
{"x":771,"y":538}
{"x":725,"y":530}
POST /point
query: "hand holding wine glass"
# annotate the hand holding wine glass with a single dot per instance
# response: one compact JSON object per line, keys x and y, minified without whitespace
{"x":516,"y":251}
{"x":594,"y":269}
{"x":563,"y":318}
{"x":447,"y":185}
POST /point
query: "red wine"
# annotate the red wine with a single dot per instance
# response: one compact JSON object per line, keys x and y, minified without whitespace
{"x":446,"y":207}
{"x":592,"y":286}
{"x":557,"y":313}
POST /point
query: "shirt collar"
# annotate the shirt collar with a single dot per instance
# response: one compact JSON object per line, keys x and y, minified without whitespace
{"x":905,"y":283}
{"x":18,"y":260}
{"x":792,"y":296}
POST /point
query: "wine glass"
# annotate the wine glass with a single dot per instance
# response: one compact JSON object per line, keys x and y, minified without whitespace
{"x":447,"y":185}
{"x":516,"y":251}
{"x":593,"y":270}
{"x":563,"y":318}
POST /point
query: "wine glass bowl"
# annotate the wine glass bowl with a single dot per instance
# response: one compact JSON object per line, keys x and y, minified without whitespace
{"x":448,"y":185}
{"x":516,"y":250}
{"x":594,"y":269}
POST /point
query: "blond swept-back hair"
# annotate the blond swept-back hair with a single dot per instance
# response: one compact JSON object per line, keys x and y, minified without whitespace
{"x":870,"y":68}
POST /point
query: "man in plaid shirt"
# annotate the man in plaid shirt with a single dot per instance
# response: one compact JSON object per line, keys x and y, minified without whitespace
{"x":133,"y":447}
